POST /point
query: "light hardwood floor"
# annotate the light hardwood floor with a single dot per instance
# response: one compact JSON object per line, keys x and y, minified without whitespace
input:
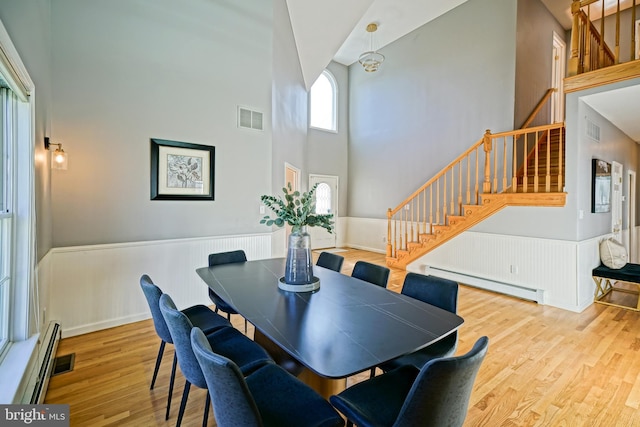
{"x":545,"y":366}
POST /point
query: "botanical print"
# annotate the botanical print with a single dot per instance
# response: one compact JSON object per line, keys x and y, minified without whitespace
{"x":184,"y":171}
{"x":602,"y":192}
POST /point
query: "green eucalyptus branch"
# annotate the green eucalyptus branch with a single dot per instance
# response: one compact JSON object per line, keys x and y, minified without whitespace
{"x":295,"y":210}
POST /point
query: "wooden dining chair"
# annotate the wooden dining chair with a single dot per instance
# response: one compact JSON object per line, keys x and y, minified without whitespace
{"x":268,"y":397}
{"x":436,"y":395}
{"x":372,"y":273}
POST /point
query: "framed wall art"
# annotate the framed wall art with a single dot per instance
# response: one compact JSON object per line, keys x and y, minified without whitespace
{"x":181,"y":170}
{"x":600,"y":186}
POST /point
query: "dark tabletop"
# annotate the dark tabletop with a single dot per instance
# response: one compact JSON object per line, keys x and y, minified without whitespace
{"x":345,"y":327}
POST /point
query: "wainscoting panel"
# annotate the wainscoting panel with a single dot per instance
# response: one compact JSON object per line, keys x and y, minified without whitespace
{"x":97,"y":287}
{"x":545,"y":266}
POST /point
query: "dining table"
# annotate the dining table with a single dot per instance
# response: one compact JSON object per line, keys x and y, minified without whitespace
{"x":345,"y":327}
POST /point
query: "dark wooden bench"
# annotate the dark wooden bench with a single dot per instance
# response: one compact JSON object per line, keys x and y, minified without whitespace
{"x":605,"y":278}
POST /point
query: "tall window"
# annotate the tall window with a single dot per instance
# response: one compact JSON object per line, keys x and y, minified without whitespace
{"x":323,"y":103}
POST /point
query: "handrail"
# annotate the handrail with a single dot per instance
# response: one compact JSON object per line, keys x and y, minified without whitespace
{"x":538,"y":107}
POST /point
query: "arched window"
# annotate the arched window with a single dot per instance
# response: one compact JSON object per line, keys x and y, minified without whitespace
{"x":323,"y":103}
{"x":323,"y":199}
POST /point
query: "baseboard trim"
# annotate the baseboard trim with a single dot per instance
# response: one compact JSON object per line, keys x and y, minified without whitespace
{"x":97,"y":326}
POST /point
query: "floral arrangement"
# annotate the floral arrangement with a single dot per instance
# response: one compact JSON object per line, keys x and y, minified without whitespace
{"x":295,"y":210}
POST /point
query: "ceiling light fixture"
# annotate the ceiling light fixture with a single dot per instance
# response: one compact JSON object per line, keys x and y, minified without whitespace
{"x":58,"y":157}
{"x":371,"y":59}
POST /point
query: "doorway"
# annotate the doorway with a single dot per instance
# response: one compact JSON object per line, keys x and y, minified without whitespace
{"x":557,"y":76}
{"x":326,"y":202}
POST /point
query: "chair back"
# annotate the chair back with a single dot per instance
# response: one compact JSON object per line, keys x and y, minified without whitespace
{"x":442,"y":293}
{"x":330,"y":261}
{"x":180,"y":328}
{"x":233,"y":404}
{"x":372,"y":273}
{"x":227,"y":257}
{"x":153,"y":293}
{"x":442,"y":390}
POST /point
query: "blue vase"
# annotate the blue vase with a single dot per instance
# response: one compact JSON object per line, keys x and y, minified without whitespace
{"x":299,"y":266}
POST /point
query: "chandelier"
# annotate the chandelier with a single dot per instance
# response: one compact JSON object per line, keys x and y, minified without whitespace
{"x":371,"y":59}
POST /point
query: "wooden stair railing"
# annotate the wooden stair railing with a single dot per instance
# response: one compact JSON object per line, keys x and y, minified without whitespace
{"x":521,"y":164}
{"x":589,"y":51}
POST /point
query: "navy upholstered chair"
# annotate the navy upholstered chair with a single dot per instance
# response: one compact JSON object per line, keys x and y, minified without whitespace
{"x":227,"y":341}
{"x":199,"y":315}
{"x":219,"y":258}
{"x":372,"y":273}
{"x":269,"y":396}
{"x":330,"y":261}
{"x":442,"y":293}
{"x":436,"y":395}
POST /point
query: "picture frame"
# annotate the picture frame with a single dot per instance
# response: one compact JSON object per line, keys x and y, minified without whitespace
{"x":600,"y":186}
{"x":181,"y":170}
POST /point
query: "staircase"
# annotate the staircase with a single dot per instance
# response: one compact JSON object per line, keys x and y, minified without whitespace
{"x":518,"y":168}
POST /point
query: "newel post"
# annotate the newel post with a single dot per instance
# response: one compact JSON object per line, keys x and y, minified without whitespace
{"x":574,"y":59}
{"x":486,"y":185}
{"x":389,"y":246}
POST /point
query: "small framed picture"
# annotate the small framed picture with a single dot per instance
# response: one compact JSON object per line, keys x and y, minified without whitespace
{"x":600,"y":186}
{"x":181,"y":170}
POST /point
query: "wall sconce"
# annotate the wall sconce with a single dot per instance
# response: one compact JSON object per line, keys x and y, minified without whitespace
{"x":58,"y":157}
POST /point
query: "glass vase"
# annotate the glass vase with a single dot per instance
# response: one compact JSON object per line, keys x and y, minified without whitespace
{"x":299,"y":265}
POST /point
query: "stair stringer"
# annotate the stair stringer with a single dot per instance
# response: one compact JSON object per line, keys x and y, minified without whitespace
{"x":473,"y":214}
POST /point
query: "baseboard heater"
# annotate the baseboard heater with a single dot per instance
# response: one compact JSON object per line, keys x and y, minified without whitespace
{"x":536,"y":295}
{"x":36,"y":388}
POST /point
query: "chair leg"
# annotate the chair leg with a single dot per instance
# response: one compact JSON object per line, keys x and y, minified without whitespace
{"x":349,"y":423}
{"x":372,"y":373}
{"x":207,"y":404}
{"x":171,"y":381}
{"x":183,"y":403}
{"x":229,"y":317}
{"x":158,"y":360}
{"x":245,"y":325}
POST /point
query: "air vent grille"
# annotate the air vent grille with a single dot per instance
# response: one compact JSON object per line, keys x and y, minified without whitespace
{"x":249,"y":119}
{"x":593,"y":131}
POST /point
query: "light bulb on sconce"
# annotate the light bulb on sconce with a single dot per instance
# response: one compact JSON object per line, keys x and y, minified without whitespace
{"x":58,"y":157}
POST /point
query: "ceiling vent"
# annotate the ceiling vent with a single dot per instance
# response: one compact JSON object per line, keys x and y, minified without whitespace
{"x":593,"y":131}
{"x":249,"y":119}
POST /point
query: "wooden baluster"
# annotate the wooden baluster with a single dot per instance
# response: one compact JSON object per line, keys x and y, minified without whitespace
{"x":525,"y":152}
{"x":453,"y":196}
{"x":460,"y":188}
{"x":431,"y":209}
{"x":486,"y":186}
{"x":617,"y":50}
{"x":588,"y":60}
{"x":389,"y":247}
{"x":395,"y":238}
{"x":495,"y":170}
{"x":536,"y":167}
{"x":406,"y":227}
{"x":443,"y":219}
{"x":477,"y":185}
{"x":504,"y":163}
{"x":469,"y":179}
{"x":514,"y":171}
{"x":601,"y":53}
{"x":547,"y":178}
{"x":560,"y":159}
{"x":632,"y":54}
{"x":412,"y":233}
{"x":572,"y":66}
{"x":438,"y":201}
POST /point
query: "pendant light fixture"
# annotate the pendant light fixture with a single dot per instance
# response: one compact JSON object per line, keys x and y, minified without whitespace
{"x":371,"y":59}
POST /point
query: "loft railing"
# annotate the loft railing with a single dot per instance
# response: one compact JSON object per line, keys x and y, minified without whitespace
{"x":589,"y":51}
{"x":490,"y":166}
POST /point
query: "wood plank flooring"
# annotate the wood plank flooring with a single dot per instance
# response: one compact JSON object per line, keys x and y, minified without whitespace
{"x":545,"y":366}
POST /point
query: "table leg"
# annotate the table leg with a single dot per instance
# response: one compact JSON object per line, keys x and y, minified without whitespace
{"x":324,"y":386}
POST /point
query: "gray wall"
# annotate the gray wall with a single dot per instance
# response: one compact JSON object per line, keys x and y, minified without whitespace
{"x":28,"y":25}
{"x":289,"y":100}
{"x":440,"y":87}
{"x":127,"y":71}
{"x":534,"y":44}
{"x":328,"y":152}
